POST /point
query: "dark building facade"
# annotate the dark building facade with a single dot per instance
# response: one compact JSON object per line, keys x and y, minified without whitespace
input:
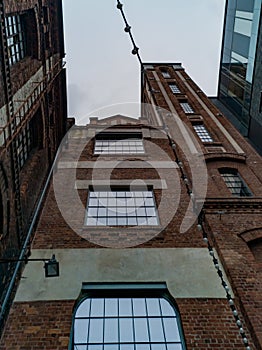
{"x":33,"y":112}
{"x":240,"y":79}
{"x":156,"y":224}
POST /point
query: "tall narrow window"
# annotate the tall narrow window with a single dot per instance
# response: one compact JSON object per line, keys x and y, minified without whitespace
{"x":119,"y":143}
{"x":15,"y":40}
{"x":174,"y":88}
{"x":235,"y":183}
{"x":126,"y":320}
{"x":202,"y":133}
{"x":24,"y":144}
{"x":186,"y":107}
{"x":121,"y":208}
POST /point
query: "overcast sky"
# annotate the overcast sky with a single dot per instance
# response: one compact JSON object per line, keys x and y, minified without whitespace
{"x":102,"y":71}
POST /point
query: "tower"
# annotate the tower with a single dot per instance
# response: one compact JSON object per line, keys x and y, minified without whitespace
{"x":33,"y":112}
{"x":240,"y":76}
{"x":156,"y":223}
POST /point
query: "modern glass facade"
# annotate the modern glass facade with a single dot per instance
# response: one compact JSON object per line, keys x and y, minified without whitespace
{"x":242,"y":30}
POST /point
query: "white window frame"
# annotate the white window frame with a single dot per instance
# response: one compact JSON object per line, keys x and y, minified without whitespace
{"x":174,"y":88}
{"x":187,"y":108}
{"x":117,"y":143}
{"x":203,"y":133}
{"x":121,"y":207}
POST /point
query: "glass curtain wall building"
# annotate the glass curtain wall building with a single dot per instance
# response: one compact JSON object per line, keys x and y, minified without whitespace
{"x":240,"y":82}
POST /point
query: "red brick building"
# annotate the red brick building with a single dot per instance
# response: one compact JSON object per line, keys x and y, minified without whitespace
{"x":156,"y":224}
{"x":33,"y":112}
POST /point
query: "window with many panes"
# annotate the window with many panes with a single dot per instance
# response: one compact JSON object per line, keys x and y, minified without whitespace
{"x":24,"y":144}
{"x":119,"y":143}
{"x":174,"y":88}
{"x":15,"y":40}
{"x":121,"y":208}
{"x":235,"y":183}
{"x":202,"y":133}
{"x":186,"y":107}
{"x":126,"y":320}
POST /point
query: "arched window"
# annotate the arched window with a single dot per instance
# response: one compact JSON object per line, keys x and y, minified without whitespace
{"x":127,"y":317}
{"x":256,"y":248}
{"x":235,"y":183}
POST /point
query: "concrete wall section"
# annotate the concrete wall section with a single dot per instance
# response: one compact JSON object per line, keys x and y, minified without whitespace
{"x":188,"y":272}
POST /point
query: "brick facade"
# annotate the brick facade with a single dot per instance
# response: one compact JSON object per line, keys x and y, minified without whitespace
{"x":33,"y":115}
{"x":42,"y":313}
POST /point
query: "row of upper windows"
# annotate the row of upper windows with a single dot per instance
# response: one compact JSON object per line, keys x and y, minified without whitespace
{"x":115,"y":144}
{"x":200,"y":129}
{"x":138,"y":208}
{"x":133,"y":144}
{"x":187,"y":108}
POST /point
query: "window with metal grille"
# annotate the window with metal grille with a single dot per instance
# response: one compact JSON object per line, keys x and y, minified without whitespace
{"x":202,"y":133}
{"x":235,"y":183}
{"x":186,"y":107}
{"x":121,"y":208}
{"x":128,"y":322}
{"x":119,"y":143}
{"x":165,"y":74}
{"x":24,"y":144}
{"x":174,"y":88}
{"x":15,"y":40}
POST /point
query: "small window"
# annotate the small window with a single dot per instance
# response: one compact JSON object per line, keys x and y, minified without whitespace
{"x":127,"y":319}
{"x":174,"y":88}
{"x":15,"y":40}
{"x":186,"y":107}
{"x":122,"y":143}
{"x":165,"y":74}
{"x":235,"y":183}
{"x":121,"y":208}
{"x":202,"y":133}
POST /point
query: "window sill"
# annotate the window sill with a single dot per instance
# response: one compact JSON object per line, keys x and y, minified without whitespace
{"x":120,"y":228}
{"x":133,"y":155}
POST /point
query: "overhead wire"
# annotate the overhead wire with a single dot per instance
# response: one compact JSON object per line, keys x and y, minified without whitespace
{"x":185,"y":178}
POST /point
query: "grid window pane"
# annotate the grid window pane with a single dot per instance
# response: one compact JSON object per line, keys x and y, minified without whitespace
{"x":24,"y":144}
{"x":202,"y":133}
{"x":186,"y":107}
{"x":119,"y":146}
{"x":126,"y":330}
{"x":15,"y":41}
{"x":121,"y":208}
{"x":235,"y":183}
{"x":175,"y":89}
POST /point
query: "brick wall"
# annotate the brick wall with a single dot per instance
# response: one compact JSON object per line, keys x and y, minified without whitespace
{"x":207,"y":324}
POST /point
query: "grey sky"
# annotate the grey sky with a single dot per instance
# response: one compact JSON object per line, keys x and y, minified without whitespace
{"x":102,"y":71}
